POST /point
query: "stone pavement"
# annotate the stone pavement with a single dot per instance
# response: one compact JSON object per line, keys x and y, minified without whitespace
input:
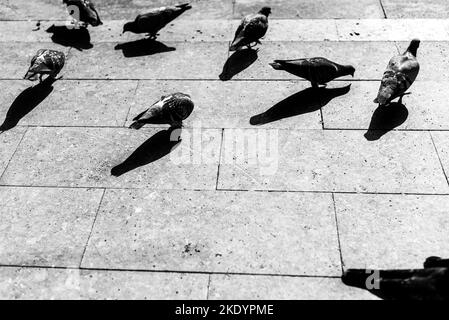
{"x":349,"y":185}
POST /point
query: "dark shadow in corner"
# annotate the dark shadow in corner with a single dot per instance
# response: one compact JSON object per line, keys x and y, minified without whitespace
{"x":156,"y":147}
{"x":385,"y":119}
{"x":305,"y":101}
{"x":26,"y":101}
{"x":237,"y":62}
{"x":142,"y":47}
{"x":77,"y":38}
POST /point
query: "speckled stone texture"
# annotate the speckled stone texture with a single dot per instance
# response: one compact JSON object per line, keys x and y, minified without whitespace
{"x":274,"y":189}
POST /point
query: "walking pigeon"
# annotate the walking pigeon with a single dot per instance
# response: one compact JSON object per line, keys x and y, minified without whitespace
{"x":153,"y":21}
{"x":316,"y":70}
{"x":85,"y":12}
{"x":430,"y":283}
{"x":45,"y":62}
{"x":251,"y":29}
{"x":401,"y":72}
{"x":171,"y":109}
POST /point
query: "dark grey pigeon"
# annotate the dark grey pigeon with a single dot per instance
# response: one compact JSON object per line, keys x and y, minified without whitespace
{"x":85,"y":13}
{"x":251,"y":29}
{"x":171,"y":109}
{"x":45,"y":62}
{"x":153,"y":21}
{"x":430,"y":283}
{"x":317,"y":70}
{"x":400,"y":74}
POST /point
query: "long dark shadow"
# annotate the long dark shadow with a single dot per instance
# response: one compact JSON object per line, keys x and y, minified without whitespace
{"x":305,"y":101}
{"x":156,"y":147}
{"x":142,"y":47}
{"x":385,"y":119}
{"x":25,"y":102}
{"x":77,"y":38}
{"x":237,"y":62}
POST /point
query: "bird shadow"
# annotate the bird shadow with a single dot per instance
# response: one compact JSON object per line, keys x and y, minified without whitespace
{"x":385,"y":119}
{"x":26,"y":101}
{"x":142,"y":47}
{"x":155,"y":148}
{"x":237,"y":62}
{"x":79,"y":38}
{"x":305,"y":101}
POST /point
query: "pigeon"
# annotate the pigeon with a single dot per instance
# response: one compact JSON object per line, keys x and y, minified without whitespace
{"x":153,"y":21}
{"x":86,"y":12}
{"x":317,"y":70}
{"x":430,"y":283}
{"x":401,"y":72}
{"x":171,"y":109}
{"x":251,"y":29}
{"x":45,"y":61}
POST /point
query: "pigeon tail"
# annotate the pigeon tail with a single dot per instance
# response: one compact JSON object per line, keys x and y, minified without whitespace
{"x":237,"y":43}
{"x":413,"y":47}
{"x":185,"y":6}
{"x":30,"y":75}
{"x":136,"y":125}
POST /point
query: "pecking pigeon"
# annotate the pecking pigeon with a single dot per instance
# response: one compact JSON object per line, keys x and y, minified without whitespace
{"x":401,"y":72}
{"x":251,"y":29}
{"x":430,"y":283}
{"x":171,"y":109}
{"x":153,"y":21}
{"x":316,"y":70}
{"x":85,"y":12}
{"x":45,"y":61}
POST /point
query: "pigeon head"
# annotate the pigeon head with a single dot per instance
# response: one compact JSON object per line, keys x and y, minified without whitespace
{"x":129,"y":26}
{"x":265,"y":11}
{"x":413,"y":47}
{"x":350,"y":70}
{"x":346,"y":70}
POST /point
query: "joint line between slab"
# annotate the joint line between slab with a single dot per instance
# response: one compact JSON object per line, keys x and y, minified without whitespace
{"x":338,"y":233}
{"x":14,"y":153}
{"x":439,"y":158}
{"x":92,"y":228}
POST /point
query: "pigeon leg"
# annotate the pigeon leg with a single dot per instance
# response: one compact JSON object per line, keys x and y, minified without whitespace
{"x":40,"y":78}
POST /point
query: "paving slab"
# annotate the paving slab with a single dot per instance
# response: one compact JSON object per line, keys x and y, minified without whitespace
{"x":169,"y":60}
{"x":74,"y":284}
{"x":232,"y":104}
{"x":312,"y":9}
{"x":115,"y":157}
{"x":9,"y":141}
{"x":15,"y":57}
{"x":368,"y":58}
{"x":231,"y":287}
{"x":399,"y":9}
{"x":36,"y":9}
{"x":423,"y":109}
{"x":393,"y":29}
{"x":277,"y":233}
{"x":343,"y":161}
{"x":432,"y":57}
{"x":391,"y":231}
{"x":201,"y":9}
{"x":66,"y":103}
{"x":111,"y":31}
{"x":46,"y":226}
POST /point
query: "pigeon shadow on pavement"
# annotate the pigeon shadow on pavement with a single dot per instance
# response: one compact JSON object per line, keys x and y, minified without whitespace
{"x":385,"y":119}
{"x":79,"y":38}
{"x":155,"y":148}
{"x":142,"y":47}
{"x":237,"y":62}
{"x":25,"y":102}
{"x":429,"y":283}
{"x":305,"y":101}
